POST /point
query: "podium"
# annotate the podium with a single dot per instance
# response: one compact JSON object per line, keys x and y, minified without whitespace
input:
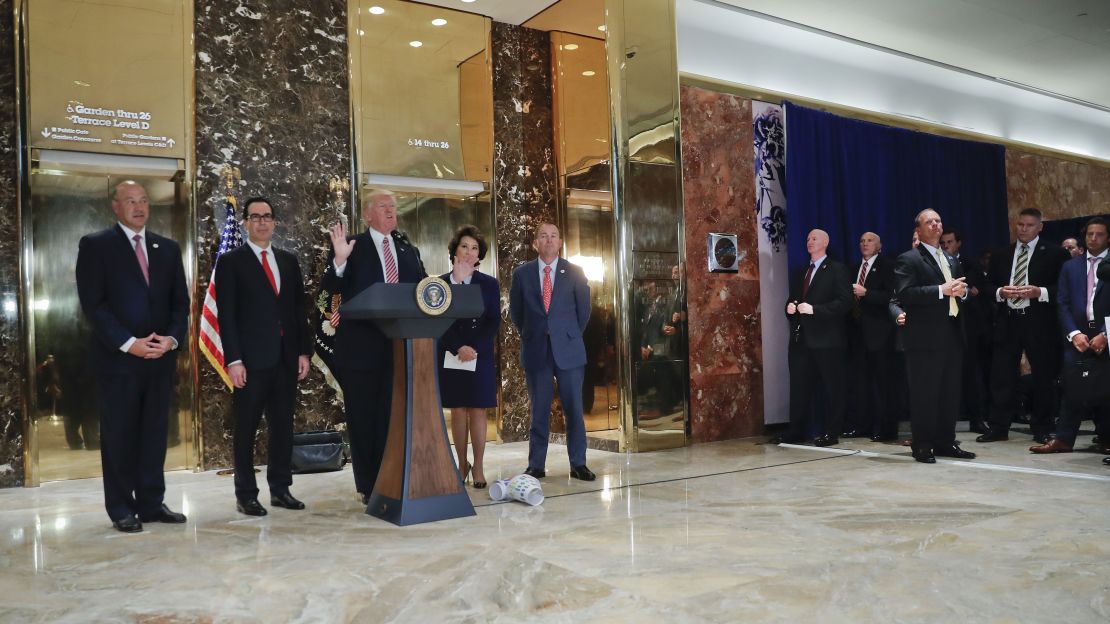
{"x":418,"y":480}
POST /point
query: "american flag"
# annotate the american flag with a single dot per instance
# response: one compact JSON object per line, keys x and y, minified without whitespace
{"x":210,"y":344}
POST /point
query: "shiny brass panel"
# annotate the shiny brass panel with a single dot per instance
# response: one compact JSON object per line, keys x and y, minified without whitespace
{"x":647,"y":203}
{"x":414,"y":107}
{"x":66,"y":205}
{"x":110,"y":77}
{"x":581,"y":17}
{"x":581,"y":100}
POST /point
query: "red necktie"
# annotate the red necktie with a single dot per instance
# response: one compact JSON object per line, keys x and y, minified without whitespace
{"x":389,"y":262}
{"x":805,"y":284}
{"x":269,"y":273}
{"x":546,"y":288}
{"x":140,"y":254}
{"x":862,"y":273}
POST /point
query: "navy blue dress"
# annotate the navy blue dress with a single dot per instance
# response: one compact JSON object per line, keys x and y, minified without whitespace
{"x":460,"y":388}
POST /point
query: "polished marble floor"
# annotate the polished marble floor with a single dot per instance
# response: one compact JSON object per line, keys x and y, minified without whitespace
{"x":725,"y":532}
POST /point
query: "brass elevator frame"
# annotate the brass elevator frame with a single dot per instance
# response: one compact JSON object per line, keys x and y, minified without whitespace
{"x":181,"y":120}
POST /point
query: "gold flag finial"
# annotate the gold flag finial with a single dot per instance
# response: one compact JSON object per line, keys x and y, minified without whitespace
{"x":230,"y":175}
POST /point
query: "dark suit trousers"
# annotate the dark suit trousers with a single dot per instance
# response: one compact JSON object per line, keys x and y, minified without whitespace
{"x":367,"y":397}
{"x":870,"y":373}
{"x":936,"y":382}
{"x":133,"y":415}
{"x":1072,"y":416}
{"x":807,"y":366}
{"x":541,"y":391}
{"x":269,"y":390}
{"x":1040,"y":346}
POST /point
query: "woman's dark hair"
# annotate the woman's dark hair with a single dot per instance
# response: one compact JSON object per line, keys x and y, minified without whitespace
{"x":473,"y":232}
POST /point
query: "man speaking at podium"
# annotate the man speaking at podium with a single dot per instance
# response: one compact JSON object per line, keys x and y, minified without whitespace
{"x":363,"y":354}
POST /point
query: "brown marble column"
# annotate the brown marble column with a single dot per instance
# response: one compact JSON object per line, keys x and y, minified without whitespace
{"x":271,"y":100}
{"x":12,"y":365}
{"x":523,"y":187}
{"x":718,"y":185}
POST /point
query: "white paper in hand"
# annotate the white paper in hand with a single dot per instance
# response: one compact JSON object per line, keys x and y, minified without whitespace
{"x":450,"y":360}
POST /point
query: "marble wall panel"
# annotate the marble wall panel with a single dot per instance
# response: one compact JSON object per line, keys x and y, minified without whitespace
{"x":12,"y":365}
{"x":718,"y":186}
{"x":524,"y":187}
{"x":1060,"y":188}
{"x":272,"y":99}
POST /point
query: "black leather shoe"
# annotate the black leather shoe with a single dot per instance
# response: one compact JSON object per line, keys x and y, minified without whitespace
{"x":978,"y":426}
{"x":953,"y":450}
{"x":128,"y":524}
{"x":164,"y":514}
{"x":853,"y":433}
{"x":1106,"y":461}
{"x":250,"y":507}
{"x":924,"y":456}
{"x":286,"y":500}
{"x":826,"y":440}
{"x":993,"y":436}
{"x":537,"y":473}
{"x":582,"y":473}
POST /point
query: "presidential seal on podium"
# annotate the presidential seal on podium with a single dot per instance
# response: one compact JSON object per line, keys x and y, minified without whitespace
{"x":433,"y":295}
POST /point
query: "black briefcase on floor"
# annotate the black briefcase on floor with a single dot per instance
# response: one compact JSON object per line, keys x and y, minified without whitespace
{"x":318,"y":451}
{"x":1087,"y":381}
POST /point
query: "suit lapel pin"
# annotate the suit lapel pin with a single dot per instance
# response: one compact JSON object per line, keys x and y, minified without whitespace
{"x":154,"y":245}
{"x":562,"y":270}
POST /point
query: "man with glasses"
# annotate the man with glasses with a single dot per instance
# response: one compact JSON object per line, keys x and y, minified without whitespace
{"x":265,"y":334}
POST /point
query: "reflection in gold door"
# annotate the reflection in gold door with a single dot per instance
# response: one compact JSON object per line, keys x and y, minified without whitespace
{"x":68,"y":201}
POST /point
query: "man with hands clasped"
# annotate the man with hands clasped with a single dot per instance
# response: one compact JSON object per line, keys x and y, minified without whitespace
{"x":930,"y":288}
{"x":1023,"y":281}
{"x":818,"y":307}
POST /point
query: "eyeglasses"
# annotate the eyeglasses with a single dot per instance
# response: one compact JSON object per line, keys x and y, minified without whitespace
{"x":261,"y":218}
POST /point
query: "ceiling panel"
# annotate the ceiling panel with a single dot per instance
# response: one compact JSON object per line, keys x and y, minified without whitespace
{"x":510,"y":11}
{"x":1061,"y":46}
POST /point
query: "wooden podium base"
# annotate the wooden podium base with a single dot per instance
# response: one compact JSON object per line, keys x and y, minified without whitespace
{"x":418,"y":480}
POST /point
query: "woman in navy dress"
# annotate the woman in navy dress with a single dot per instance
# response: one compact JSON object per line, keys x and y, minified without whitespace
{"x":470,"y":393}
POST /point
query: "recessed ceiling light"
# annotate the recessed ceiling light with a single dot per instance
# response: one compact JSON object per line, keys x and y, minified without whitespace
{"x":439,"y":21}
{"x":377,"y":10}
{"x":468,"y":1}
{"x":601,"y":28}
{"x":416,"y":44}
{"x":588,"y":72}
{"x":571,"y":46}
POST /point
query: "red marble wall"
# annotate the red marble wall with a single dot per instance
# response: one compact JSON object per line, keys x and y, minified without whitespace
{"x":718,"y":187}
{"x":1060,"y":188}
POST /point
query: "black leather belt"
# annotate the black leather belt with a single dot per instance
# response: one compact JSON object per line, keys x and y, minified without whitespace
{"x":1092,"y":324}
{"x":1018,"y":311}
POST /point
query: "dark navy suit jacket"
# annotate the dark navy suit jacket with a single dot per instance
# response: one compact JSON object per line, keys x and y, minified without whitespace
{"x":360,"y":345}
{"x":563,"y":323}
{"x":256,"y":326}
{"x":916,"y":277}
{"x":120,"y":305}
{"x":1071,"y":297}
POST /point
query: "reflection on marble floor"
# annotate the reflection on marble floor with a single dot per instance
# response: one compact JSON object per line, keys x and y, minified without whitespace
{"x":724,"y":532}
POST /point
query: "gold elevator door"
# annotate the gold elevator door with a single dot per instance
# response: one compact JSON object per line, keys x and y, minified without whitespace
{"x":66,"y":205}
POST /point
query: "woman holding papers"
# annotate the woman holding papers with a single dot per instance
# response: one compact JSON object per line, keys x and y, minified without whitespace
{"x":467,"y":375}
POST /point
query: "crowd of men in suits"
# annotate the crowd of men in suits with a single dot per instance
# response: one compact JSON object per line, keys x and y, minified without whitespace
{"x":132,"y":288}
{"x":940,"y":335}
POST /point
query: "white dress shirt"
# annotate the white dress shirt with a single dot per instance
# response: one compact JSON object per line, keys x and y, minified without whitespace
{"x":1013,"y":265}
{"x":146,"y":250}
